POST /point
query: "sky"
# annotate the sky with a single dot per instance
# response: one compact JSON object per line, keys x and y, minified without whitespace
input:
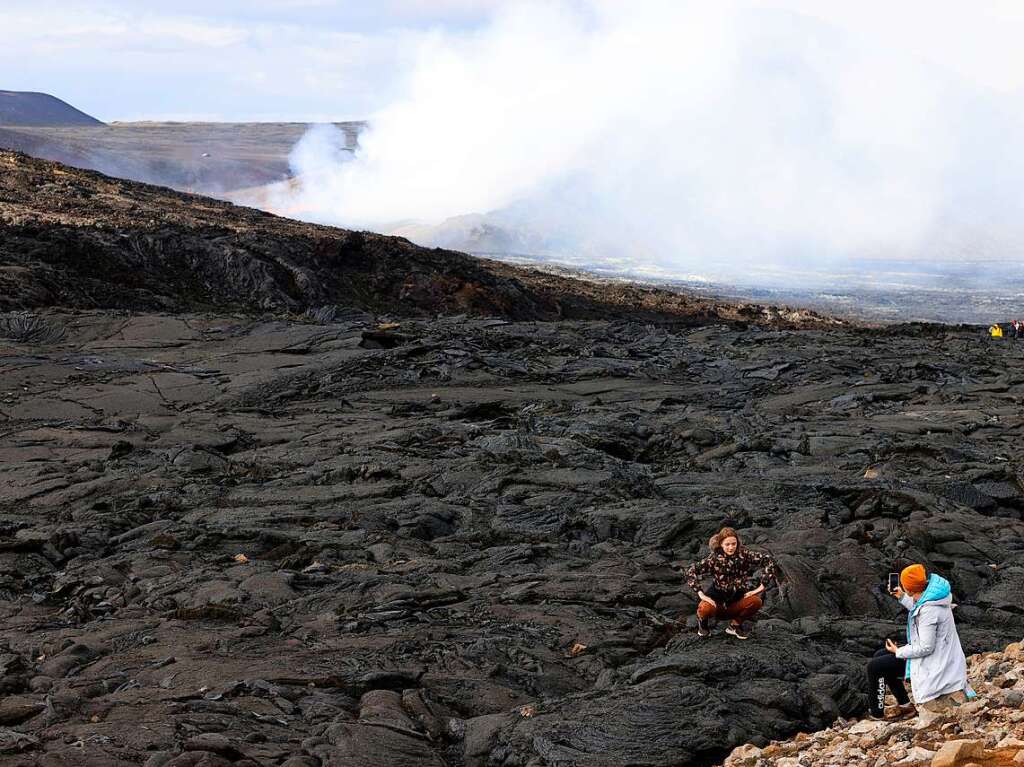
{"x":294,"y":60}
{"x":331,"y":59}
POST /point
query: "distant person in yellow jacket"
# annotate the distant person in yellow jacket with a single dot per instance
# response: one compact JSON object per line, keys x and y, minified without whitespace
{"x":996,"y":331}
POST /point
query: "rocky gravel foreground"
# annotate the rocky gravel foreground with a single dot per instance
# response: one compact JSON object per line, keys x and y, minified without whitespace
{"x":370,"y":540}
{"x":986,"y":732}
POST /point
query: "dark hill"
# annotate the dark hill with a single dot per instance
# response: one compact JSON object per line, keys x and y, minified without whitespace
{"x":24,"y":108}
{"x":79,"y":239}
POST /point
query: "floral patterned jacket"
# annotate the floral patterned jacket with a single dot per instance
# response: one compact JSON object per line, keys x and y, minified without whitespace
{"x":733,"y":575}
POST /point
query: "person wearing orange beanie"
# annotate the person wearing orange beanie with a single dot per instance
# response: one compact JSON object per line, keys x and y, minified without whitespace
{"x":914,"y":579}
{"x":935,"y":662}
{"x":887,"y":670}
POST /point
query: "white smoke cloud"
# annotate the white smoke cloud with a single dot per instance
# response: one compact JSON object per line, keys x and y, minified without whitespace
{"x":697,"y":137}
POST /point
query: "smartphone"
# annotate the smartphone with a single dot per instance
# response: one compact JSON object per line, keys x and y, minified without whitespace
{"x":894,"y":582}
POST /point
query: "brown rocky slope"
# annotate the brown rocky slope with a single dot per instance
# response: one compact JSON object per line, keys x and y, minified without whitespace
{"x":987,"y":732}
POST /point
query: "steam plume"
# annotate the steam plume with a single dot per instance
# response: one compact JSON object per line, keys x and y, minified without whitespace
{"x":692,"y":137}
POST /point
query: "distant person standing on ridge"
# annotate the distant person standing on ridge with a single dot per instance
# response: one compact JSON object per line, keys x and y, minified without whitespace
{"x":936,"y":665}
{"x":732,"y":594}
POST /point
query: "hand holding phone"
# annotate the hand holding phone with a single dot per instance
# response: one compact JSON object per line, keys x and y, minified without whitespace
{"x":894,"y":583}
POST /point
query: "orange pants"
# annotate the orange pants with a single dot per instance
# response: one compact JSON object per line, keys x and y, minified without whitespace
{"x":738,"y":611}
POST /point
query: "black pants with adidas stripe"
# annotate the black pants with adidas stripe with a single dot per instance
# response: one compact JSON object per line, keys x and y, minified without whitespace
{"x":886,"y":669}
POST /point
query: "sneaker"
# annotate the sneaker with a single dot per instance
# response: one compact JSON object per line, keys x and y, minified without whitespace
{"x":703,"y":629}
{"x":737,"y":631}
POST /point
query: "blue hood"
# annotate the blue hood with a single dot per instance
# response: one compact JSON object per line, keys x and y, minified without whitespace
{"x":937,"y":588}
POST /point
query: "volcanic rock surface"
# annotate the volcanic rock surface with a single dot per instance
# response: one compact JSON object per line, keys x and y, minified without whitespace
{"x":26,"y":108}
{"x":415,"y":528}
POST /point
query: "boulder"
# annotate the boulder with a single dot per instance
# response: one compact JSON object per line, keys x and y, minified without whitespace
{"x":956,"y":752}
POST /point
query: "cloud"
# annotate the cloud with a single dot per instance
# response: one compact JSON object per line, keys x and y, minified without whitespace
{"x":63,"y":31}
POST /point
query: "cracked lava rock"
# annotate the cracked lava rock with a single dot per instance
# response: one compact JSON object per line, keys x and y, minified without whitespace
{"x":248,"y":518}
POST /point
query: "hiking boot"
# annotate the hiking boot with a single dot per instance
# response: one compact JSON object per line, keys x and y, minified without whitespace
{"x":703,"y":629}
{"x":904,"y":710}
{"x":737,"y":631}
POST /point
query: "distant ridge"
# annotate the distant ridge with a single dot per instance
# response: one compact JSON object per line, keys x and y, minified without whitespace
{"x":78,"y":239}
{"x":24,"y":108}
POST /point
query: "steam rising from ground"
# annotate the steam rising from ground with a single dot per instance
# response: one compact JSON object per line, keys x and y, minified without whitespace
{"x":692,"y":137}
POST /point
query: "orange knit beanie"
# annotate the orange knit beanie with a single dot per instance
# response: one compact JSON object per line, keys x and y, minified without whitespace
{"x":914,"y":579}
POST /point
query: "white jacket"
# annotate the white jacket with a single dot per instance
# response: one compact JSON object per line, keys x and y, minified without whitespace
{"x":935,"y":660}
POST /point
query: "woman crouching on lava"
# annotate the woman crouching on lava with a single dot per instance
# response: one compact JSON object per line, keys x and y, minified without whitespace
{"x":732,"y":567}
